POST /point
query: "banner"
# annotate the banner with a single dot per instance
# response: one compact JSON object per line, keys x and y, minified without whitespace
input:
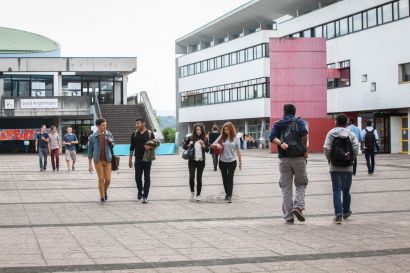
{"x":39,"y":103}
{"x":17,"y":134}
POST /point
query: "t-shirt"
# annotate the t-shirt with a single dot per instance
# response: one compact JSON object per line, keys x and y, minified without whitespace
{"x":42,"y":143}
{"x":103,"y":156}
{"x":230,"y":149}
{"x":54,"y":141}
{"x":137,"y":143}
{"x":68,"y":138}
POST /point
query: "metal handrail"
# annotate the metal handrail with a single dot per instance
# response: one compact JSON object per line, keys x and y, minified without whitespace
{"x":151,"y":114}
{"x":97,"y":105}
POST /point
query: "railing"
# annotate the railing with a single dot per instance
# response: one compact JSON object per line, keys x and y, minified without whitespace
{"x":151,"y":114}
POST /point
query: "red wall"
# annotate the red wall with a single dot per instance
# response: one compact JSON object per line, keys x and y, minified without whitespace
{"x":299,"y":76}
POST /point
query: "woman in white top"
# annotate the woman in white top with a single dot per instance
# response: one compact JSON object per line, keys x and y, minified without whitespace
{"x":200,"y":143}
{"x":230,"y":147}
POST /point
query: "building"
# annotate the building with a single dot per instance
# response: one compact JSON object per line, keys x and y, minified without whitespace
{"x":327,"y":57}
{"x":38,"y":86}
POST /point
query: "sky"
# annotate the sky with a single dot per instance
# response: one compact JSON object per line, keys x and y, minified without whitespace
{"x":120,"y":28}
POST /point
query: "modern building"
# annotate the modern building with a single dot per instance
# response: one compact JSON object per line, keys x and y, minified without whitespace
{"x":327,"y":57}
{"x":38,"y":86}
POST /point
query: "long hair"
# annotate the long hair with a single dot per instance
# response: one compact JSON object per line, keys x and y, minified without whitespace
{"x":232,"y":132}
{"x":195,"y":136}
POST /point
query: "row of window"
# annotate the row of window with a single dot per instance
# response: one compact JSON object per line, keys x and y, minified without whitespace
{"x":370,"y":18}
{"x":260,"y":89}
{"x":28,"y":85}
{"x":237,"y":57}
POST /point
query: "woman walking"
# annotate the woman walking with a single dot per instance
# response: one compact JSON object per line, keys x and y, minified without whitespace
{"x":54,"y":148}
{"x":200,"y":145}
{"x":230,"y":147}
{"x":213,"y":135}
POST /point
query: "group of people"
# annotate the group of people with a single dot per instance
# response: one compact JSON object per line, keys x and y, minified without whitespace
{"x":51,"y":143}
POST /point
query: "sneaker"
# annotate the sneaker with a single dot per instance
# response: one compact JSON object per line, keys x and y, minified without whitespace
{"x":298,"y":213}
{"x":139,"y":196}
{"x":338,"y":220}
{"x":41,"y":170}
{"x":226,"y":197}
{"x":198,"y":198}
{"x":192,"y":199}
{"x":102,"y":200}
{"x":54,"y":170}
{"x":144,"y":200}
{"x":347,"y":215}
{"x":290,"y":221}
{"x":229,"y":199}
{"x":106,"y":196}
{"x":73,"y":168}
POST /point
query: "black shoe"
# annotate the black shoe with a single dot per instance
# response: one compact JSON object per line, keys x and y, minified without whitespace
{"x":338,"y":220}
{"x":72,"y":168}
{"x":106,"y":196}
{"x":226,"y":197}
{"x":139,"y":196}
{"x":229,"y":199}
{"x":41,"y":170}
{"x":144,"y":200}
{"x":54,"y":169}
{"x":298,"y":213}
{"x":290,"y":221}
{"x":102,"y":200}
{"x":347,"y":215}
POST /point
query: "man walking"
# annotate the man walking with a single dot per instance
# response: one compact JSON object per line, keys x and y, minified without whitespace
{"x":42,"y":140}
{"x":99,"y":151}
{"x":70,"y":140}
{"x":290,"y":135}
{"x":369,"y":143}
{"x":54,"y":148}
{"x":356,"y":131}
{"x":138,"y":148}
{"x":341,"y":147}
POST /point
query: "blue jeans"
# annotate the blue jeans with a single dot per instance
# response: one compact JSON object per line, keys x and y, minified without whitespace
{"x":341,"y":183}
{"x":369,"y":155}
{"x":42,"y":153}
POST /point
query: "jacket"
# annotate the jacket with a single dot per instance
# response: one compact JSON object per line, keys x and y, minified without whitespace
{"x":204,"y":150}
{"x":94,"y":146}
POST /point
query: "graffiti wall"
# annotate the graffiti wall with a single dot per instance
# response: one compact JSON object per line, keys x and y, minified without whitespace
{"x":17,"y":134}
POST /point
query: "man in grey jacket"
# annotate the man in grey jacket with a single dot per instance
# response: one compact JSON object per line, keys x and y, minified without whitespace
{"x":341,"y":148}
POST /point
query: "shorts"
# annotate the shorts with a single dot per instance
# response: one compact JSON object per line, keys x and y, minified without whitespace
{"x":70,"y":155}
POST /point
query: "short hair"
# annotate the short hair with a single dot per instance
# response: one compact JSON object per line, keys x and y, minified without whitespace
{"x":100,"y":121}
{"x":352,"y":121}
{"x":341,"y":120}
{"x":155,"y":130}
{"x":369,"y":123}
{"x":52,"y":128}
{"x":140,"y":119}
{"x":289,"y":109}
{"x":45,"y":126}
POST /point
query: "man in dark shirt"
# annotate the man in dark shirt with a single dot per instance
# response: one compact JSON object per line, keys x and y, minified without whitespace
{"x":137,"y":148}
{"x":42,"y":140}
{"x":292,"y":167}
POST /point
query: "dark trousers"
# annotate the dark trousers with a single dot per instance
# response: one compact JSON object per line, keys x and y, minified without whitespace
{"x":228,"y":171}
{"x":42,"y":155}
{"x":142,"y":167}
{"x":354,"y":166}
{"x":199,"y":166}
{"x":341,"y":183}
{"x":55,"y":158}
{"x":369,"y":154}
{"x":215,"y":160}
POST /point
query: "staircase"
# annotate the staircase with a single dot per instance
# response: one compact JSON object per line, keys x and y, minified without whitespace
{"x":121,"y":120}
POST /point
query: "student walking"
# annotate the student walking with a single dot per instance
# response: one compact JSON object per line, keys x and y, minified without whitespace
{"x":70,"y":140}
{"x":139,"y":148}
{"x":199,"y":143}
{"x":341,"y":147}
{"x":42,"y":140}
{"x":99,"y":151}
{"x":290,"y":135}
{"x":356,"y":131}
{"x":369,"y":143}
{"x":212,"y":136}
{"x":54,"y":148}
{"x":239,"y":136}
{"x":229,"y":147}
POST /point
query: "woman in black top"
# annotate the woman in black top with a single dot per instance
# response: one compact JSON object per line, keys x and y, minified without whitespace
{"x":213,"y":135}
{"x":199,"y":142}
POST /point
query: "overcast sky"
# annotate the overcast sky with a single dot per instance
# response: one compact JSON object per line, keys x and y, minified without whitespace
{"x":143,"y":29}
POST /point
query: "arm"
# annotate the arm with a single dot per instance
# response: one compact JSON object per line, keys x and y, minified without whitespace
{"x":36,"y":143}
{"x":206,"y":145}
{"x":90,"y":156}
{"x":213,"y":145}
{"x":327,"y":146}
{"x":75,"y":141}
{"x":132,"y":148}
{"x":355,"y":145}
{"x":238,"y":150}
{"x":187,"y":144}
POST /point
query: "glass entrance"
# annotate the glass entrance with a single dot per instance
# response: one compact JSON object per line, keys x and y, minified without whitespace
{"x":404,"y":135}
{"x":382,"y":125}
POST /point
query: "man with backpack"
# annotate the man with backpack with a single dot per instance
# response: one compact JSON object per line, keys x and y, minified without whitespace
{"x":341,"y":147}
{"x":370,"y":138}
{"x":290,"y":135}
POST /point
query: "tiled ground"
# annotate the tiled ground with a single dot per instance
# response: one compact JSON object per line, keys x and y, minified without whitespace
{"x":53,"y":222}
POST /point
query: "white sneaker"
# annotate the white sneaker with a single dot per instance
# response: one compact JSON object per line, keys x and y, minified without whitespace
{"x":192,"y":196}
{"x":198,"y":198}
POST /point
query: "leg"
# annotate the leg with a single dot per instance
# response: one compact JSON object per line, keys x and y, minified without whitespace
{"x":285,"y":182}
{"x":107,"y":176}
{"x":346,"y":184}
{"x":40,"y":159}
{"x":372,"y":155}
{"x":73,"y":155}
{"x":354,"y":166}
{"x":231,"y":173}
{"x":147,"y":178}
{"x":45,"y":158}
{"x":57,"y":155}
{"x":199,"y":172}
{"x":68,"y":158}
{"x":138,"y":174}
{"x":301,"y":181}
{"x":367,"y":156}
{"x":191,"y":168}
{"x":99,"y":167}
{"x":337,"y":188}
{"x":215,"y":161}
{"x":53,"y":158}
{"x":224,"y":171}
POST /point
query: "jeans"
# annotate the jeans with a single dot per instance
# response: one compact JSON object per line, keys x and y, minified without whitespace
{"x":143,"y":167}
{"x":228,"y":171}
{"x":42,"y":154}
{"x":199,"y":166}
{"x":354,"y":166}
{"x":55,"y":158}
{"x":292,"y":170}
{"x":215,"y":160}
{"x":103,"y":169}
{"x":341,"y":183}
{"x":369,"y":154}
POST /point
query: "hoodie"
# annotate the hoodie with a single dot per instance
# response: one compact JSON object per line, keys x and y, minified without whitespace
{"x":342,"y":133}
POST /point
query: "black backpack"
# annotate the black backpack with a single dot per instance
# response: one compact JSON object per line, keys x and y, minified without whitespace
{"x":369,"y":139}
{"x":290,"y":136}
{"x":342,"y":152}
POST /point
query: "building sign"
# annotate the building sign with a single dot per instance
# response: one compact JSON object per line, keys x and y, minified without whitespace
{"x":39,"y":103}
{"x":17,"y":134}
{"x":9,"y":104}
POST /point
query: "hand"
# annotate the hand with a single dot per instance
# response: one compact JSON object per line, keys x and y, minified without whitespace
{"x":49,"y":151}
{"x":68,"y":143}
{"x":306,"y":155}
{"x":147,"y":147}
{"x":191,"y":143}
{"x":90,"y":168}
{"x":284,"y":146}
{"x":109,"y":140}
{"x":130,"y":163}
{"x":240,"y":165}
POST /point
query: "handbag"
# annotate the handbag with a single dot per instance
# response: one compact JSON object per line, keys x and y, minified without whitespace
{"x":219,"y":151}
{"x":188,"y":154}
{"x":115,"y":160}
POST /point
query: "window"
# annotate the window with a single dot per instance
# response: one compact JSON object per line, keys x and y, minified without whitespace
{"x":258,"y":52}
{"x":307,"y":33}
{"x":395,"y":10}
{"x":225,"y":60}
{"x":404,"y":73}
{"x":249,"y":54}
{"x":226,"y":96}
{"x":234,"y":58}
{"x":344,"y":71}
{"x":211,"y":64}
{"x":106,"y":95}
{"x":403,"y":8}
{"x":344,"y":28}
{"x":241,"y":56}
{"x":204,"y":66}
{"x":331,"y":30}
{"x":242,"y":93}
{"x":234,"y":94}
{"x":191,"y":69}
{"x":357,"y":22}
{"x":71,"y":86}
{"x":218,"y":62}
{"x":371,"y":18}
{"x":28,"y":85}
{"x":251,"y":92}
{"x":197,"y":68}
{"x":318,"y":31}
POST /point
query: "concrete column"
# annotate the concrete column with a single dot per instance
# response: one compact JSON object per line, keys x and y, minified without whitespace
{"x":246,"y":127}
{"x":124,"y":88}
{"x":58,"y":84}
{"x":1,"y":86}
{"x":408,"y":126}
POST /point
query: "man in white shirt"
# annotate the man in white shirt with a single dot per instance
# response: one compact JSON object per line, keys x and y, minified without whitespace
{"x":239,"y":136}
{"x":369,"y":144}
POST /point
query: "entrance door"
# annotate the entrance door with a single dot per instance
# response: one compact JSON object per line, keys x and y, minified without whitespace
{"x":382,"y":125}
{"x":404,"y":135}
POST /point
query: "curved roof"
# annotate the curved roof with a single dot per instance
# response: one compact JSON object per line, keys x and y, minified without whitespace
{"x":17,"y":41}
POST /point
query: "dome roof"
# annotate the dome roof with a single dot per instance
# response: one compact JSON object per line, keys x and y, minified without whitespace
{"x":13,"y":41}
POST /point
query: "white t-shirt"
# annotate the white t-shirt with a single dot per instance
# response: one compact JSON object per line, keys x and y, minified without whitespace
{"x":198,"y":151}
{"x":369,"y":128}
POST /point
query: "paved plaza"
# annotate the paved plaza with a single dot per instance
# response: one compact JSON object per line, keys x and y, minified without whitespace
{"x":53,"y":222}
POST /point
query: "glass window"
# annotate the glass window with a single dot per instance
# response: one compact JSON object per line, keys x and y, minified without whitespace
{"x":337,"y":24}
{"x":24,"y":88}
{"x":211,"y":64}
{"x":403,"y":8}
{"x":218,"y":97}
{"x":198,"y":100}
{"x":252,"y":92}
{"x":242,"y":93}
{"x":241,"y":56}
{"x":371,"y":18}
{"x":260,"y":90}
{"x":234,"y":58}
{"x":344,"y":29}
{"x":184,"y":101}
{"x":191,"y":70}
{"x":211,"y":98}
{"x":218,"y":62}
{"x":7,"y":87}
{"x":226,"y":60}
{"x":249,"y":54}
{"x":234,"y":94}
{"x":226,"y":96}
{"x":197,"y":68}
{"x":405,"y":72}
{"x":204,"y":66}
{"x":191,"y":101}
{"x":106,"y":86}
{"x":350,"y":24}
{"x":379,"y":15}
{"x":395,"y":10}
{"x":318,"y":32}
{"x":357,"y":22}
{"x":204,"y":98}
{"x":71,"y":86}
{"x":307,"y":33}
{"x":331,"y":30}
{"x":258,"y":52}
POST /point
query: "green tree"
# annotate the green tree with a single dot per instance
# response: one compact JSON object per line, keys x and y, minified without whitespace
{"x":169,"y":135}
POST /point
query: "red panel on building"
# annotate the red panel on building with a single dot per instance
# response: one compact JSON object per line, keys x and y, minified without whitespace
{"x":299,"y":76}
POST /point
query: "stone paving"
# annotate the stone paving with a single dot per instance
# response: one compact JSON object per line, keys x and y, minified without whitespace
{"x":53,"y":222}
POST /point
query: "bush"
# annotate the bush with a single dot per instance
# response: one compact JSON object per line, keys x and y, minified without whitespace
{"x":169,"y":135}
